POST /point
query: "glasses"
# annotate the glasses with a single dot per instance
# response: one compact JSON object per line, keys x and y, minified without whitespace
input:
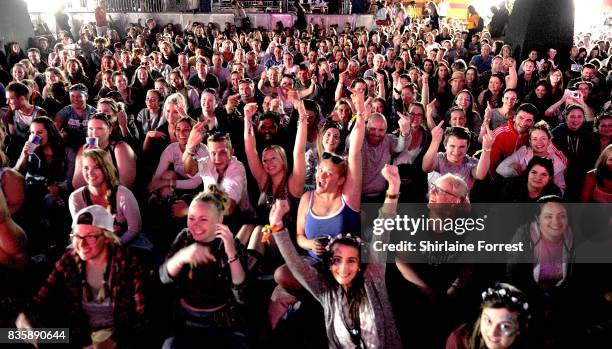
{"x":336,"y":159}
{"x":437,"y":190}
{"x":90,"y":239}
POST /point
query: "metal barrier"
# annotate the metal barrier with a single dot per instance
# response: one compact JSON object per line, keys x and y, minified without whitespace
{"x":218,"y":6}
{"x":151,"y":6}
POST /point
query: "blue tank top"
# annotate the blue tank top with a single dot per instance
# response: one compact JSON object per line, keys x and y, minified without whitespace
{"x":345,"y":220}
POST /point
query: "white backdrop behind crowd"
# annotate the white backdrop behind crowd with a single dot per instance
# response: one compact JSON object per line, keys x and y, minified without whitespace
{"x":14,"y":24}
{"x":265,"y":20}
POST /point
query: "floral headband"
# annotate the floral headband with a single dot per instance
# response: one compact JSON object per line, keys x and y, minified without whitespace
{"x":356,"y":239}
{"x":504,"y":294}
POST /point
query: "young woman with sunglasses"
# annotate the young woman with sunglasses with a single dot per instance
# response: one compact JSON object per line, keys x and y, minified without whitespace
{"x":332,"y":208}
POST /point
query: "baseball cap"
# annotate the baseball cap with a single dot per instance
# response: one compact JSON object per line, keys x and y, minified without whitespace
{"x":457,"y":75}
{"x":95,"y":215}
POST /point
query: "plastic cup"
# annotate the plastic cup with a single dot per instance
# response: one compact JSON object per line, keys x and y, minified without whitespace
{"x":35,"y":139}
{"x":92,"y":142}
{"x":323,"y":240}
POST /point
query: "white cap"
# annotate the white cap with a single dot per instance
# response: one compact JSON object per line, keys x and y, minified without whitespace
{"x":95,"y":215}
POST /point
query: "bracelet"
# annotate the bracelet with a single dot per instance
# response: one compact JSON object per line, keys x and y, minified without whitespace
{"x":232,"y":259}
{"x":483,"y":149}
{"x":190,"y":151}
{"x":392,"y":196}
{"x":268,"y":230}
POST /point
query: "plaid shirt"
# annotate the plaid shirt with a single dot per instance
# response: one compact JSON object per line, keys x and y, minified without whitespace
{"x":64,"y":288}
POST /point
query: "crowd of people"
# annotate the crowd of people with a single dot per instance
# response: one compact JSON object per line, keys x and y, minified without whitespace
{"x":190,"y":183}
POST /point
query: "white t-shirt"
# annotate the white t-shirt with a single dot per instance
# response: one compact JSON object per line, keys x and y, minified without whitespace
{"x":234,"y":181}
{"x":172,"y":155}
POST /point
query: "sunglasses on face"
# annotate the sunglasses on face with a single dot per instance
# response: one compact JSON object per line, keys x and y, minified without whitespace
{"x":336,"y":159}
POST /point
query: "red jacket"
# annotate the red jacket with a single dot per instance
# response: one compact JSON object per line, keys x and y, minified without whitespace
{"x":507,"y":141}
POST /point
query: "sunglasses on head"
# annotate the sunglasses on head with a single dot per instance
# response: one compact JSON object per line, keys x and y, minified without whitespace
{"x":336,"y":159}
{"x":215,"y":134}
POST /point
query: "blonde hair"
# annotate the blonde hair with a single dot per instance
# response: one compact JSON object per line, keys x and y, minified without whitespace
{"x":215,"y":196}
{"x":176,"y":99}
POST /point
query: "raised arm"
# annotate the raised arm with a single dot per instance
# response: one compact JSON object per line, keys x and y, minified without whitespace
{"x":340,"y":86}
{"x":480,"y":171}
{"x":405,"y":134}
{"x":486,"y":123}
{"x":352,"y":186}
{"x":512,"y":78}
{"x":382,"y":88}
{"x":429,"y":159}
{"x":311,"y":88}
{"x":425,"y":89}
{"x":388,"y":210}
{"x":430,"y":110}
{"x":306,"y":274}
{"x":196,"y":136}
{"x":261,"y":85}
{"x":550,"y":112}
{"x":250,"y":147}
{"x":298,"y":175}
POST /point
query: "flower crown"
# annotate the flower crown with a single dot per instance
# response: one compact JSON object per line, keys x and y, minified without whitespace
{"x":504,"y":294}
{"x":356,"y":239}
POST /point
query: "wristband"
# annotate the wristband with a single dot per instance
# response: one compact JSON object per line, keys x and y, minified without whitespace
{"x":190,"y":151}
{"x":268,"y":230}
{"x":230,"y":260}
{"x":392,"y":196}
{"x":483,"y":149}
